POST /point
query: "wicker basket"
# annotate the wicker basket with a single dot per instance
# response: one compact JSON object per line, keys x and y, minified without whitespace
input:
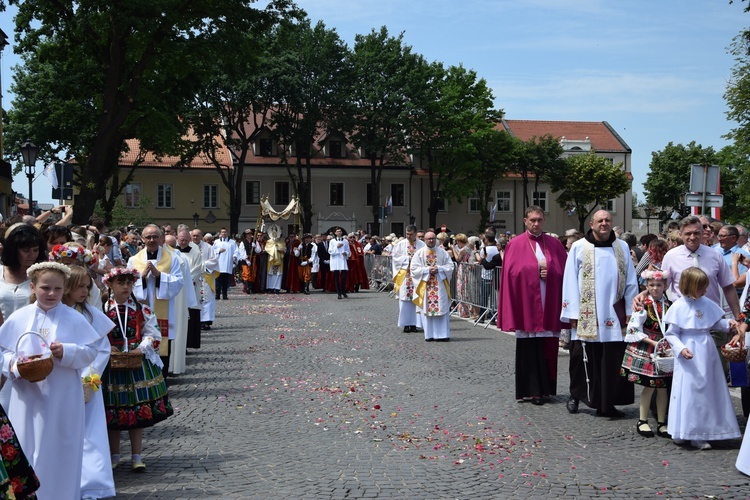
{"x":733,"y":354}
{"x":125,"y":360}
{"x":87,"y":393}
{"x":664,"y":364}
{"x":37,"y":368}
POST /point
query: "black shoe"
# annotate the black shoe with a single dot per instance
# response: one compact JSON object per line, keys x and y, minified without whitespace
{"x":407,"y":329}
{"x":537,"y":401}
{"x":572,"y":405}
{"x":340,"y":297}
{"x":218,"y":297}
{"x":646,"y":431}
{"x":225,"y":298}
{"x":429,"y":340}
{"x":443,"y":340}
{"x":661,"y":430}
{"x":346,"y":296}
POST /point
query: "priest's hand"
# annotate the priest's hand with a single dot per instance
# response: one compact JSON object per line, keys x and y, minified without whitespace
{"x":573,"y":323}
{"x":57,"y":349}
{"x":686,"y":353}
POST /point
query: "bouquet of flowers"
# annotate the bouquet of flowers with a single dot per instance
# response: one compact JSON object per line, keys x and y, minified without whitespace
{"x":91,"y":383}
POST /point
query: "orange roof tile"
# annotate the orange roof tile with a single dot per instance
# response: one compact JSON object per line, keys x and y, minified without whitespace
{"x":201,"y":161}
{"x":602,"y":136}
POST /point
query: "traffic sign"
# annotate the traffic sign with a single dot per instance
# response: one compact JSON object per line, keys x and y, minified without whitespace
{"x":712,"y":200}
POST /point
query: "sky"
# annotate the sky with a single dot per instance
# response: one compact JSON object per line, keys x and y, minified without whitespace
{"x":656,"y":71}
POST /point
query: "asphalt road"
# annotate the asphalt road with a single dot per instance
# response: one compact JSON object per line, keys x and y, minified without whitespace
{"x":296,"y":396}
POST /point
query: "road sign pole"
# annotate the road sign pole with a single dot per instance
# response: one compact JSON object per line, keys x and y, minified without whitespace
{"x":705,"y":179}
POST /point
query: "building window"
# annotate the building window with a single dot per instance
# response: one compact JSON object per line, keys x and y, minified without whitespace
{"x":540,"y":199}
{"x":164,"y":196}
{"x":610,"y":206}
{"x":397,"y":228}
{"x":281,"y":193}
{"x":334,"y":148}
{"x":368,"y":197}
{"x":336,"y":197}
{"x":266,"y":147}
{"x":438,"y":197}
{"x":475,"y":202}
{"x":503,"y":202}
{"x":133,"y":196}
{"x":398,"y":194}
{"x":210,"y":196}
{"x":252,"y":192}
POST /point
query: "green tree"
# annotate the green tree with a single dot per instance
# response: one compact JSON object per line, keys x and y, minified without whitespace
{"x":454,"y":105}
{"x":97,"y":73}
{"x":312,"y":71}
{"x":669,"y":176}
{"x":385,"y":76}
{"x":735,"y":168}
{"x":495,"y":152}
{"x":586,"y":182}
{"x":540,"y":158}
{"x":737,"y":94}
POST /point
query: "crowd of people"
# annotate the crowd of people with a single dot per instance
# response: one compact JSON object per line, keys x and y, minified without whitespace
{"x":113,"y":312}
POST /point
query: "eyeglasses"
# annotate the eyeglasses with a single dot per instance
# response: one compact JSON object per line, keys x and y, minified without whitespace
{"x":706,"y":226}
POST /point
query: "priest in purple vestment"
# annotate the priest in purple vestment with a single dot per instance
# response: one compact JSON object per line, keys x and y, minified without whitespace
{"x":529,"y":303}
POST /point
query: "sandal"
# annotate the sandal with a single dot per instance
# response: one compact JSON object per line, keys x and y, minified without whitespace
{"x":647,"y":432}
{"x":661,"y":430}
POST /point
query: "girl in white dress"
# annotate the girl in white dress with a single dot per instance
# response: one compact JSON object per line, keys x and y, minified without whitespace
{"x":701,"y":408}
{"x":49,"y":415}
{"x":97,"y":480}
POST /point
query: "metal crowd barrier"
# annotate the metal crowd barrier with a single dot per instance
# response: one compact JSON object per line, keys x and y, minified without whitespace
{"x":379,"y":272}
{"x":474,"y":295}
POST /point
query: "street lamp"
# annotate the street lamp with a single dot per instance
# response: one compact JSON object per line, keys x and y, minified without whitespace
{"x":29,"y":151}
{"x":195,"y":219}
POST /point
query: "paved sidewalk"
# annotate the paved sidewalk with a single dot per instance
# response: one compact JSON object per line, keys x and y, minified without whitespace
{"x":296,"y":396}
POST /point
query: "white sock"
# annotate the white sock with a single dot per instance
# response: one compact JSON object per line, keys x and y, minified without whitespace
{"x":115,"y":457}
{"x":136,"y":458}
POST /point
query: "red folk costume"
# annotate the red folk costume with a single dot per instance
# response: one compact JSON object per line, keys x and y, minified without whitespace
{"x":356,"y":278}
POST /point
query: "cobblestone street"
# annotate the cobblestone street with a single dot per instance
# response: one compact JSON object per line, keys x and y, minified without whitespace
{"x":295,"y":396}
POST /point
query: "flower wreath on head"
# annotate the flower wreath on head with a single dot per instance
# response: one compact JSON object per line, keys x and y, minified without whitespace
{"x":119,"y":271}
{"x":655,"y":274}
{"x":40,"y":266}
{"x":75,"y":252}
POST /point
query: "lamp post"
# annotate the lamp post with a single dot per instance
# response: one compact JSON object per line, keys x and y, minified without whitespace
{"x":195,"y":219}
{"x":29,"y":151}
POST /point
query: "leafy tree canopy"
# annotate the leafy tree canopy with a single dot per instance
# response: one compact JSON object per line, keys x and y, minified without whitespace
{"x":586,"y":182}
{"x":669,"y":175}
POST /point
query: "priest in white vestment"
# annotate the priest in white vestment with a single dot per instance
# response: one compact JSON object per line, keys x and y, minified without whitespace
{"x":599,"y":285}
{"x":207,"y":287}
{"x":161,"y":281}
{"x":403,"y":251}
{"x":431,"y":269}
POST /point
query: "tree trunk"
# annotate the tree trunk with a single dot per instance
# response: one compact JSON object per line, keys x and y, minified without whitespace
{"x":375,"y":195}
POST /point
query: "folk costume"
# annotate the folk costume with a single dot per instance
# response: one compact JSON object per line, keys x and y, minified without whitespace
{"x":246,"y":257}
{"x":356,"y":277}
{"x":700,"y":406}
{"x":136,"y":398}
{"x":599,"y":285}
{"x":432,"y":293}
{"x":530,"y":307}
{"x":49,"y":415}
{"x":305,"y":253}
{"x":97,"y":480}
{"x":159,"y":293}
{"x":404,"y":285}
{"x":637,"y":364}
